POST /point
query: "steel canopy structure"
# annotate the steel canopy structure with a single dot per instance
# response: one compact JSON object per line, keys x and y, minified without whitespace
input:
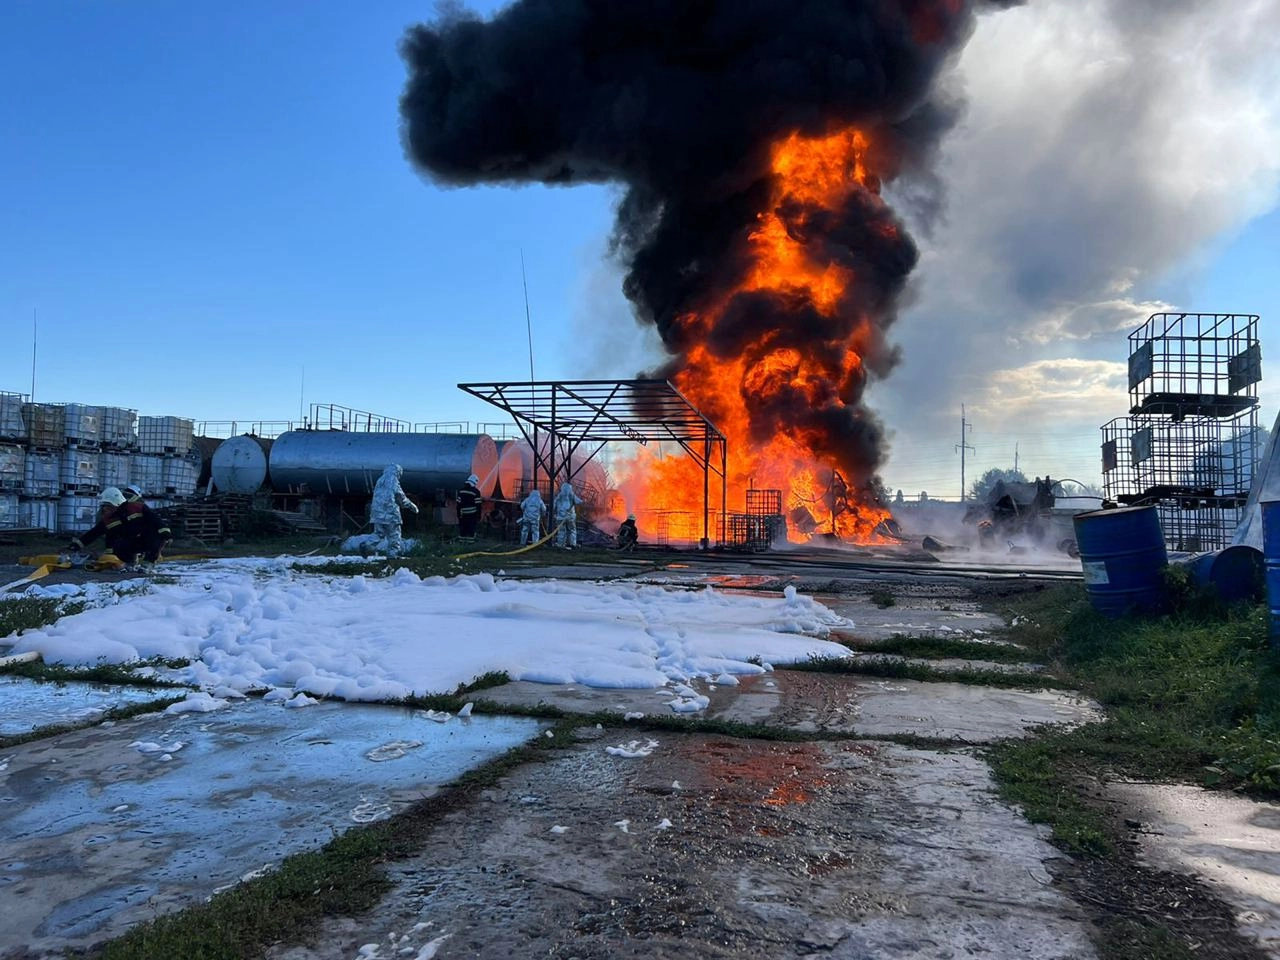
{"x":559,"y":417}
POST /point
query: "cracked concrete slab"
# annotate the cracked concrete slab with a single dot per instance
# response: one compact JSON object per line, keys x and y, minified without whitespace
{"x":1232,"y":842}
{"x":108,"y":826}
{"x":731,"y":848}
{"x":833,"y":703}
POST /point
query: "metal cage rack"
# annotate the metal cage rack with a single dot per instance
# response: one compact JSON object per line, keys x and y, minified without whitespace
{"x":1191,"y":443}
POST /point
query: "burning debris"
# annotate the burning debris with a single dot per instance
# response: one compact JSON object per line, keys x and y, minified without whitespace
{"x":752,"y":141}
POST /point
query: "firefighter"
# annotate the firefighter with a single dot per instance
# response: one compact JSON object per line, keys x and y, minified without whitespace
{"x":532,"y":510}
{"x":131,"y":530}
{"x":565,"y":509}
{"x":384,"y":511}
{"x":628,"y":535}
{"x":469,"y":498}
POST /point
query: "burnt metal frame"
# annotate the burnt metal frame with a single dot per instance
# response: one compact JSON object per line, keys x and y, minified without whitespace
{"x":577,"y":412}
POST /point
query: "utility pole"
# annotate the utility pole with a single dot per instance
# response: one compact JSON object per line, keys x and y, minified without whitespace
{"x":1015,"y":456}
{"x":962,"y":446}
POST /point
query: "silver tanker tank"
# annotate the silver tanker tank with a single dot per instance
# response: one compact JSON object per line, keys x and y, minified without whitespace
{"x":339,"y":462}
{"x":239,"y":465}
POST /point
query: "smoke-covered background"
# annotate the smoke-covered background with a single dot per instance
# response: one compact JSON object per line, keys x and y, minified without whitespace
{"x":683,"y":105}
{"x":1064,"y":178}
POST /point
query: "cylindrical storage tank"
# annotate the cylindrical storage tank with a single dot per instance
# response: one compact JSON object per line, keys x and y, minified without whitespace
{"x":239,"y":465}
{"x":77,"y":514}
{"x":515,"y":468}
{"x":1271,"y":557}
{"x":201,"y":454}
{"x":340,"y":462}
{"x":1236,"y":573}
{"x":1122,"y":553}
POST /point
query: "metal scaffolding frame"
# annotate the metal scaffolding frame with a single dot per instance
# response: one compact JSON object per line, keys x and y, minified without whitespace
{"x":557,"y":417}
{"x":1189,"y":445}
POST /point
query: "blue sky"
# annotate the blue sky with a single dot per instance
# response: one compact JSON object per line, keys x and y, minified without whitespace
{"x":200,"y":201}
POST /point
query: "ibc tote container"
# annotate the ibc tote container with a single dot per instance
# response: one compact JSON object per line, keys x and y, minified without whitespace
{"x":147,"y":471}
{"x":13,"y":467}
{"x":46,"y":425}
{"x":38,"y":514}
{"x":165,"y":435}
{"x":83,"y":424}
{"x":119,"y":427}
{"x":12,"y":426}
{"x":9,"y":511}
{"x":76,"y":513}
{"x":42,"y":474}
{"x":79,"y":470}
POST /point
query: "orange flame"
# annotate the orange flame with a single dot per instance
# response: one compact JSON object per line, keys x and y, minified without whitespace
{"x":812,"y":177}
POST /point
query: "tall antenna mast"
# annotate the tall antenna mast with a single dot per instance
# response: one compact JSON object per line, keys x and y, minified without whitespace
{"x":302,"y":390}
{"x":962,"y":446}
{"x":528,"y":322}
{"x":34,"y":330}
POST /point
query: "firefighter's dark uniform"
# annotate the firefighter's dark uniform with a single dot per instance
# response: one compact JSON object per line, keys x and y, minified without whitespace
{"x":131,"y":529}
{"x":468,"y":511}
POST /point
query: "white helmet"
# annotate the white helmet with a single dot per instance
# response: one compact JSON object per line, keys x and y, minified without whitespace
{"x":631,"y":516}
{"x":111,"y":495}
{"x":133,"y":490}
{"x":473,"y":480}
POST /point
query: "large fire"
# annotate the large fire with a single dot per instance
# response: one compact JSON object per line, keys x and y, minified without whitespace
{"x":746,"y":389}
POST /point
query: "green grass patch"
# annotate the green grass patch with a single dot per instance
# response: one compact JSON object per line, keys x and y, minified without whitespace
{"x":114,"y":673}
{"x":882,"y":598}
{"x":902,"y":670}
{"x":32,"y":613}
{"x":116,"y":713}
{"x":1191,"y":696}
{"x":937,"y":648}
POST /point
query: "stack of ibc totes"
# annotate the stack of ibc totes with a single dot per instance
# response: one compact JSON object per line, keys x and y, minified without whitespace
{"x":170,"y":438}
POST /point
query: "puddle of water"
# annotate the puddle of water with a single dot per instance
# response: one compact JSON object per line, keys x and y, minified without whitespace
{"x":99,"y":834}
{"x":27,"y":705}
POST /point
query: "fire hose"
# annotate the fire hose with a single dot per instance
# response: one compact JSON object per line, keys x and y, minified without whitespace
{"x":511,"y":553}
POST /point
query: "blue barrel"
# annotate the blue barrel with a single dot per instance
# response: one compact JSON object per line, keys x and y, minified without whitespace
{"x":1122,"y":554}
{"x":1235,"y":573}
{"x":1271,"y":556}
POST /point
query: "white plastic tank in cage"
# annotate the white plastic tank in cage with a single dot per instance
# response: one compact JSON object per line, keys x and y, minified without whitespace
{"x":77,"y":513}
{"x":42,"y":474}
{"x":119,"y":427}
{"x":13,"y":465}
{"x":83,"y":424}
{"x":165,"y":434}
{"x":79,"y":470}
{"x":8,"y":511}
{"x":147,"y":471}
{"x":12,"y":426}
{"x":38,"y":514}
{"x":114,"y":470}
{"x":179,"y":476}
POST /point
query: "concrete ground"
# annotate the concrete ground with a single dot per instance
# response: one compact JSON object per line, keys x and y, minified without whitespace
{"x":853,"y":839}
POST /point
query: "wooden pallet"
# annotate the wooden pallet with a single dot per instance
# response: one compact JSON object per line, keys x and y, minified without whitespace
{"x":203,"y":521}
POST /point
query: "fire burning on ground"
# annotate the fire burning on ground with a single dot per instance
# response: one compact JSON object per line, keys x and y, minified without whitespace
{"x":751,"y":140}
{"x":776,"y":396}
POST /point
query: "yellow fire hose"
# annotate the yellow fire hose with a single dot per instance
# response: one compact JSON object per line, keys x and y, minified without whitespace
{"x":510,"y":553}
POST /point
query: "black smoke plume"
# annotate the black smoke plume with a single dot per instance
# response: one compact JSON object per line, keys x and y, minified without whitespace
{"x":680,"y":101}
